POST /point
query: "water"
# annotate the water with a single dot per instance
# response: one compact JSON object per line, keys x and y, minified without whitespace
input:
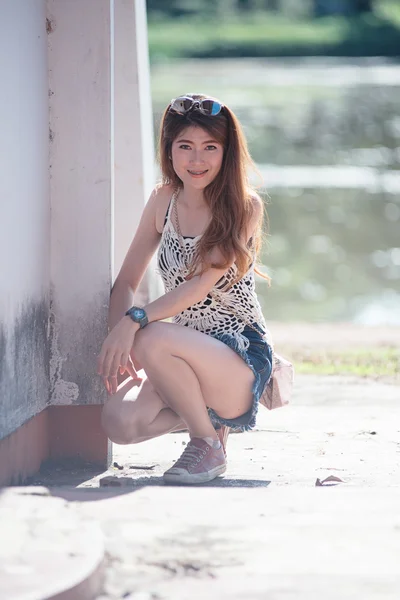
{"x":326,"y":137}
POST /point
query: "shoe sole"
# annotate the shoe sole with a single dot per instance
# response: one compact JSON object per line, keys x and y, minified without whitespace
{"x":192,"y":478}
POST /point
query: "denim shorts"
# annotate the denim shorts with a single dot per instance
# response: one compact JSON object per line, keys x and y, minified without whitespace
{"x":258,"y":357}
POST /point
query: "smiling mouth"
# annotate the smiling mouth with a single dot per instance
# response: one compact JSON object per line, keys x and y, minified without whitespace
{"x":197,"y":173}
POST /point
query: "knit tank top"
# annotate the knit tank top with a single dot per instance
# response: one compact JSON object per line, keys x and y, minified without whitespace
{"x":227,"y":309}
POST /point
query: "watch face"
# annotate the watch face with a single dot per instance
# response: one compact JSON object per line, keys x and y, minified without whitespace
{"x":138,"y":313}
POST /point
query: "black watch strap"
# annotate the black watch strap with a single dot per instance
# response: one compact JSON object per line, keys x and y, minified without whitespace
{"x":138,"y":315}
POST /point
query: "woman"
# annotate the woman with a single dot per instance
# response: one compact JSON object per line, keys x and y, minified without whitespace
{"x":207,"y":369}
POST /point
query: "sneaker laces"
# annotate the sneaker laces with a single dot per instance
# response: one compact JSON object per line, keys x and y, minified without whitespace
{"x":191,"y":455}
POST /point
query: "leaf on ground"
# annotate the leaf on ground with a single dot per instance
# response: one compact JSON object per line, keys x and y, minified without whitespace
{"x":143,"y":467}
{"x":332,"y":469}
{"x":332,"y":478}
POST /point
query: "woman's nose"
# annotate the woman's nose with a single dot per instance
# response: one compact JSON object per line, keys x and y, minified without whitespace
{"x":197,"y":156}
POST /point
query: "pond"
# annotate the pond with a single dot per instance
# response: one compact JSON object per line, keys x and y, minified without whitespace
{"x":325,"y":135}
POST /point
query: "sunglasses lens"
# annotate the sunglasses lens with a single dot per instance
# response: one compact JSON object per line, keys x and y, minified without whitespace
{"x":181,"y":105}
{"x":211,"y":107}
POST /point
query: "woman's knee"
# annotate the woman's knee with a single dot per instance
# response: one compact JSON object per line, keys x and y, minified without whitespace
{"x":149,"y":341}
{"x":119,"y":428}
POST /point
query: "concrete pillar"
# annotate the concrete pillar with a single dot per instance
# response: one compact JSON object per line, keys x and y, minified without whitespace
{"x":79,"y":43}
{"x":133,"y":129}
{"x":101,"y":170}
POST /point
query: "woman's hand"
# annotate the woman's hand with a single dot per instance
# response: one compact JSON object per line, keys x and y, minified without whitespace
{"x":115,"y":353}
{"x":124,"y":374}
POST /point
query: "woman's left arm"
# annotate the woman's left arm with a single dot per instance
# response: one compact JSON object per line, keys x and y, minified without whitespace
{"x":188,"y":293}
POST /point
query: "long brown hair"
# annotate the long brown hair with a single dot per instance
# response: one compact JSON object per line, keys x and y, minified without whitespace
{"x":229,"y":196}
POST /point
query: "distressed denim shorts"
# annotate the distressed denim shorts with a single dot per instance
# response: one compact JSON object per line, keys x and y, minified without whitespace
{"x":258,"y":357}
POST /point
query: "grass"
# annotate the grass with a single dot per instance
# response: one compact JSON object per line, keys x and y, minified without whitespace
{"x":195,"y":36}
{"x":270,"y":34}
{"x":375,"y":363}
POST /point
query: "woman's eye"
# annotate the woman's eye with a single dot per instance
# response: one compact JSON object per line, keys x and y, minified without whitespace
{"x":184,"y":146}
{"x":211,"y":147}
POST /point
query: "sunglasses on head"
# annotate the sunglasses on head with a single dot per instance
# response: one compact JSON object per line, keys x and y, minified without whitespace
{"x":207,"y":106}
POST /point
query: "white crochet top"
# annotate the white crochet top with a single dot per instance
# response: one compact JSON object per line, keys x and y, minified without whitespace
{"x":211,"y":315}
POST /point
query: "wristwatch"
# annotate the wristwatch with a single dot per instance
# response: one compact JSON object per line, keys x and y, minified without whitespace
{"x":138,"y":315}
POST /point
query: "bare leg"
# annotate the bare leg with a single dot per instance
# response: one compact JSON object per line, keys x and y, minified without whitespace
{"x":132,"y":416}
{"x":175,"y":380}
{"x":191,"y":371}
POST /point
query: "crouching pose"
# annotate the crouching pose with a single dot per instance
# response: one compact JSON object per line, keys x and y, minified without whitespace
{"x":207,"y":367}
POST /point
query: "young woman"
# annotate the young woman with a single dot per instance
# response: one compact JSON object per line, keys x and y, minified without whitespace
{"x":205,"y":370}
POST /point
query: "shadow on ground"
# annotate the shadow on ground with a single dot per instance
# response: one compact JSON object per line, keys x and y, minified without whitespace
{"x":79,"y":481}
{"x":128,"y":485}
{"x":140,"y":482}
{"x":68,"y":472}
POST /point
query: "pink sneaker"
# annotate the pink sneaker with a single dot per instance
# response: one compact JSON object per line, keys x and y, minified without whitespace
{"x":199,"y":463}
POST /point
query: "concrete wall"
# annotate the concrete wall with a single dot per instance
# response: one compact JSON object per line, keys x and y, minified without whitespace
{"x":75,"y":110}
{"x":80,"y":183}
{"x":24,"y":213}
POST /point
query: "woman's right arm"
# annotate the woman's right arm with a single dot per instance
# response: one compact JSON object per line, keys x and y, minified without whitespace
{"x":142,"y":248}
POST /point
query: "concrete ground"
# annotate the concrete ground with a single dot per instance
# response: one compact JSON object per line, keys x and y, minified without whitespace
{"x":267,"y":530}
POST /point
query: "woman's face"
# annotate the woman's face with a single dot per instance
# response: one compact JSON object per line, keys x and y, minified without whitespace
{"x":196,"y":157}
